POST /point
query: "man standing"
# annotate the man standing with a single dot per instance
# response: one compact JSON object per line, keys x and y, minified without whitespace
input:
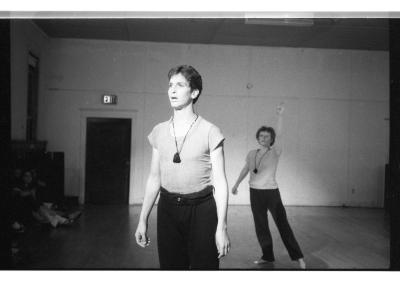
{"x":264,"y":193}
{"x":192,"y":210}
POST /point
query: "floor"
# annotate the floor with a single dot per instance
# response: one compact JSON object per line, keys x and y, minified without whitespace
{"x":103,"y":238}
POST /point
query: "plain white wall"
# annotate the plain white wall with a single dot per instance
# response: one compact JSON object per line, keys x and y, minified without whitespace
{"x":336,"y":135}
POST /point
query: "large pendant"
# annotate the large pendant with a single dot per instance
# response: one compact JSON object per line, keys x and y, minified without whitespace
{"x":176,"y":159}
{"x":255,"y":170}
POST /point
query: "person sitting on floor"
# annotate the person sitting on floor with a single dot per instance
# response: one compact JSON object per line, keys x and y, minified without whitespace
{"x":27,"y":203}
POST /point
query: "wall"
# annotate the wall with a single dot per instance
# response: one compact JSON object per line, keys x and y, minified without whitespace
{"x":336,"y":135}
{"x":25,"y":37}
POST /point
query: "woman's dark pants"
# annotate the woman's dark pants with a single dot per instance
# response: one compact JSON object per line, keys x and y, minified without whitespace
{"x":270,"y":200}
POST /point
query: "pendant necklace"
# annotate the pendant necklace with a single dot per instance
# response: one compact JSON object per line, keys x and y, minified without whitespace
{"x":255,"y":170}
{"x":177,"y":158}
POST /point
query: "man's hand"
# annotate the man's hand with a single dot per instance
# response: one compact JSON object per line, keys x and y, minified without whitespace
{"x":235,"y":190}
{"x":280,"y":108}
{"x":141,"y":235}
{"x":223,"y":243}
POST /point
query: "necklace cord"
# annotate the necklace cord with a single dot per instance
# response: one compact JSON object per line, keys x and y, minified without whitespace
{"x":259,"y":162}
{"x":184,"y":138}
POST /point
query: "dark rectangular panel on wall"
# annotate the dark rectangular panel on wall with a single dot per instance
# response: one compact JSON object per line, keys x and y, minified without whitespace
{"x":394,"y":158}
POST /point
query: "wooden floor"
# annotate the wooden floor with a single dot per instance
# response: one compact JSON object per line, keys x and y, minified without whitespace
{"x":330,"y":238}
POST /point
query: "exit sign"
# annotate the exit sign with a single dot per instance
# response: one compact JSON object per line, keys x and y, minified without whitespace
{"x":109,"y":99}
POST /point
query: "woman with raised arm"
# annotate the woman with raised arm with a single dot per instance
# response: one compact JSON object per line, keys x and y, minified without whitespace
{"x":262,"y":164}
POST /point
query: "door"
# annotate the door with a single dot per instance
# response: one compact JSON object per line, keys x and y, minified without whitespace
{"x":108,"y":151}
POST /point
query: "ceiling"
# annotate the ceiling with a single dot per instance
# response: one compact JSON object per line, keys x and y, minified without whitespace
{"x":332,"y":33}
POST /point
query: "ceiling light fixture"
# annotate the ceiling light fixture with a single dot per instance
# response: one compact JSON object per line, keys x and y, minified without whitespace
{"x":280,"y":21}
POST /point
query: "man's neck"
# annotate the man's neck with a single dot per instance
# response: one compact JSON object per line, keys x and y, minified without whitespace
{"x":184,"y":115}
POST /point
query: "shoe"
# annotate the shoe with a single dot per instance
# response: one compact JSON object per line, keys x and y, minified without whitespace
{"x":18,"y":227}
{"x":262,"y":261}
{"x":302,"y":263}
{"x":68,"y":222}
{"x":75,"y":215}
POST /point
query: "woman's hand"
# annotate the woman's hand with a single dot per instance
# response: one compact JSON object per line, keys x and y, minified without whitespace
{"x":280,"y":108}
{"x":235,"y":190}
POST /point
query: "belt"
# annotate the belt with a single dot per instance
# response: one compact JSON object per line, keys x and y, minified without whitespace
{"x":187,"y":199}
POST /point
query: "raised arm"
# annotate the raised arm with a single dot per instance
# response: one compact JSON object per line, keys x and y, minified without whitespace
{"x":150,"y":196}
{"x":221,"y":199}
{"x":242,"y":175}
{"x":279,"y":128}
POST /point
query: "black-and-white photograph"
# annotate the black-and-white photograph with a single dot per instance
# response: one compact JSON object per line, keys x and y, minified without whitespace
{"x":201,"y":141}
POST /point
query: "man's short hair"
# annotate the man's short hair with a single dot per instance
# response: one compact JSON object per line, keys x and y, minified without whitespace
{"x":191,"y":75}
{"x":268,"y":129}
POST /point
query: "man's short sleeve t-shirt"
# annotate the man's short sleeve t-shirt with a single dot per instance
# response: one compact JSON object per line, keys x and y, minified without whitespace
{"x":194,"y":171}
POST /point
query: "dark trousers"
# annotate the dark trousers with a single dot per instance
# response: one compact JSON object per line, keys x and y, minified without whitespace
{"x":263,"y":201}
{"x":186,"y":226}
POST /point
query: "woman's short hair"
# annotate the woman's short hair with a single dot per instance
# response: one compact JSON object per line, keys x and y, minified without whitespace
{"x":191,"y":75}
{"x":268,"y":129}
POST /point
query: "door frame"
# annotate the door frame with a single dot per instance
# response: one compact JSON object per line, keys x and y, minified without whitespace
{"x":103,"y":113}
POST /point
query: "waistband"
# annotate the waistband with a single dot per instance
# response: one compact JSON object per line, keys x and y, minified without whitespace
{"x":187,"y":199}
{"x":264,"y":190}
